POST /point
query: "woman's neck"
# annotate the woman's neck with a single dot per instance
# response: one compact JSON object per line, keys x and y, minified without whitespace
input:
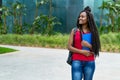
{"x":85,"y":28}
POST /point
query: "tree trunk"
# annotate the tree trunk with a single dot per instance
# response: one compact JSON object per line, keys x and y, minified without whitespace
{"x":50,"y":8}
{"x":101,"y":18}
{"x":20,"y":23}
{"x":50,"y":15}
{"x":5,"y":27}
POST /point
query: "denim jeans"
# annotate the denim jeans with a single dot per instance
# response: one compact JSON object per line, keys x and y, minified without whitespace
{"x":82,"y":69}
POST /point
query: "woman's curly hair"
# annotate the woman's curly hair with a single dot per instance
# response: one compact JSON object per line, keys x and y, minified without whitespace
{"x":93,"y":29}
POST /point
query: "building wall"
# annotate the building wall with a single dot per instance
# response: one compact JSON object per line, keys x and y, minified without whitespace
{"x":66,"y":11}
{"x":73,"y":10}
{"x":0,"y":6}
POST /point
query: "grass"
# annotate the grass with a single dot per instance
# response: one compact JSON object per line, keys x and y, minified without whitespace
{"x":109,"y":42}
{"x":55,"y":41}
{"x":6,"y":50}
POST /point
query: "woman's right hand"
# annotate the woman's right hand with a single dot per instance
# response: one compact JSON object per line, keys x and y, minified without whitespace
{"x":86,"y":52}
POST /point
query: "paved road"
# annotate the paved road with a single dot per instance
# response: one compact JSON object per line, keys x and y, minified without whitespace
{"x":49,"y":64}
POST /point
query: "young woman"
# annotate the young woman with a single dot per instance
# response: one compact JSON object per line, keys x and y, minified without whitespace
{"x":86,"y":46}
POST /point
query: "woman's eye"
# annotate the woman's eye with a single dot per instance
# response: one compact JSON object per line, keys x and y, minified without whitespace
{"x":81,"y":16}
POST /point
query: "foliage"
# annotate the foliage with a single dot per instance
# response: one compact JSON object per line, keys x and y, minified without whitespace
{"x":45,"y":24}
{"x":18,"y":11}
{"x":42,"y":24}
{"x":55,"y":41}
{"x":5,"y":13}
{"x":112,"y":14}
{"x":109,"y":42}
{"x":1,"y":28}
{"x":38,"y":4}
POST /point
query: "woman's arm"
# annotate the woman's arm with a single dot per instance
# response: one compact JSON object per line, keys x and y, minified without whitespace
{"x":73,"y":49}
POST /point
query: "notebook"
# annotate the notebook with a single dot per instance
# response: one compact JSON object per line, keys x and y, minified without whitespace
{"x":87,"y":37}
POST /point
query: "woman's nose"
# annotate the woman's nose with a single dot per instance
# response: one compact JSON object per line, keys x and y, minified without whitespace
{"x":79,"y":18}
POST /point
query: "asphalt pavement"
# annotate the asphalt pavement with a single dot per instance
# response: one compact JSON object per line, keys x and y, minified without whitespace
{"x":34,"y":63}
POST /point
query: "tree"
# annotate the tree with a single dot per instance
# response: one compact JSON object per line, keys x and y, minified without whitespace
{"x":5,"y":12}
{"x":112,"y":15}
{"x":38,"y":5}
{"x":45,"y":23}
{"x":18,"y":10}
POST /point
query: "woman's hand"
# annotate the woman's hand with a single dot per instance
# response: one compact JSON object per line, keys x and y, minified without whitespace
{"x":86,"y":52}
{"x":86,"y":44}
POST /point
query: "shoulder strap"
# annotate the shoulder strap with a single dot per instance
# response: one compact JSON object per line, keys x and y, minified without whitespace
{"x":75,"y":29}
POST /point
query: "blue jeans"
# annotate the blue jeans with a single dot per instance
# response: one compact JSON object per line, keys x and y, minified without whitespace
{"x":82,"y":69}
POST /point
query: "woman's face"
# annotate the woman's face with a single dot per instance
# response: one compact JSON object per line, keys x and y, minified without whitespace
{"x":83,"y":18}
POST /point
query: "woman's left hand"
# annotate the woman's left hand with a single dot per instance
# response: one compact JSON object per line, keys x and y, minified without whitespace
{"x":86,"y":44}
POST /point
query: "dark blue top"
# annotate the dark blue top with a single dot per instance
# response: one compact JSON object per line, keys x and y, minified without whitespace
{"x":87,"y":37}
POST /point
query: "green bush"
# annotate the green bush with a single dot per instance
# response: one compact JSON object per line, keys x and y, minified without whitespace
{"x":110,"y":38}
{"x":55,"y":41}
{"x":109,"y":42}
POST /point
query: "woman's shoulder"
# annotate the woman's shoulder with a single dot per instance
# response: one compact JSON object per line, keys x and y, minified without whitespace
{"x":75,"y":29}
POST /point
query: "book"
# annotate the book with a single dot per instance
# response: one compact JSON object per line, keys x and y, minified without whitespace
{"x":87,"y":37}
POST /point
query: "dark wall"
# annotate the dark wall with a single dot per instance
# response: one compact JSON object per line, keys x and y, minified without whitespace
{"x":0,"y":11}
{"x":73,"y":10}
{"x":66,"y":11}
